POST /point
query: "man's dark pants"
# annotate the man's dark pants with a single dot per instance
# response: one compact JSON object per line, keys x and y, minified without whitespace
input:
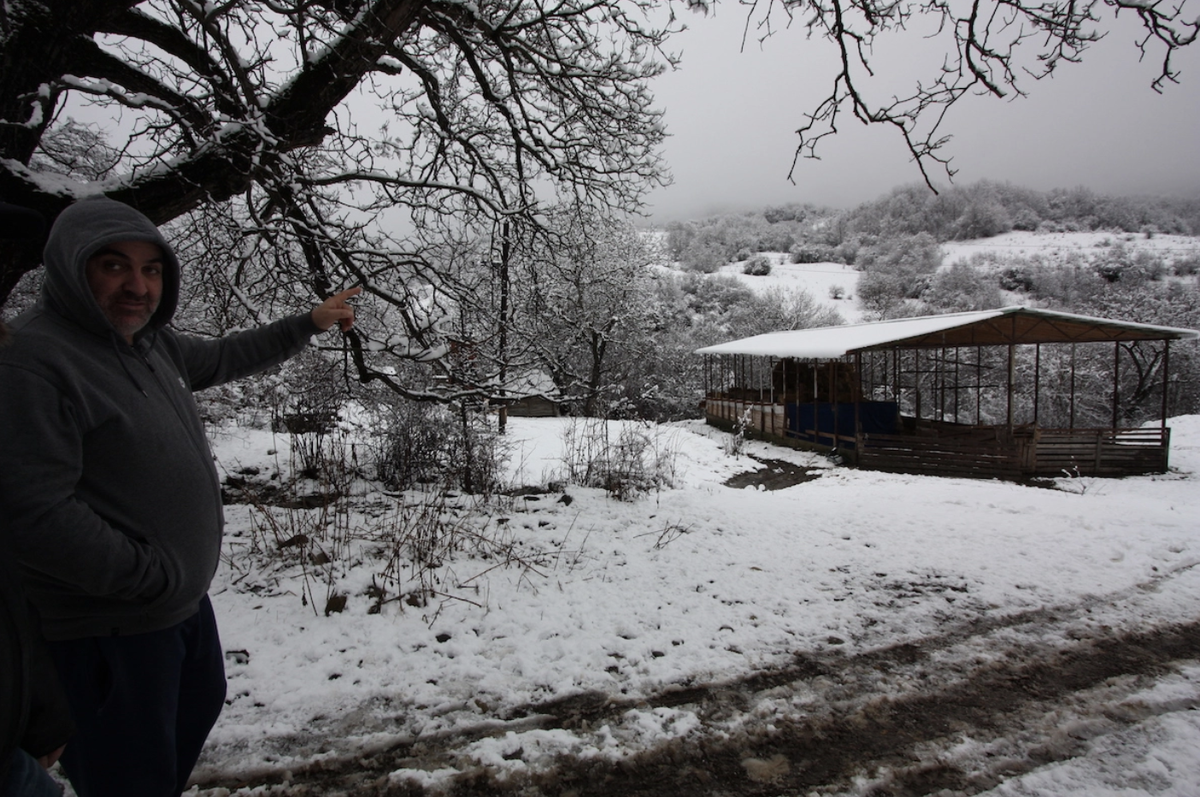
{"x":143,"y":705}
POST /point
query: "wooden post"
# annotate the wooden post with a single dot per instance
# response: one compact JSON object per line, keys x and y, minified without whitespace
{"x":1166,"y":381}
{"x":895,"y":375}
{"x":762,"y":394}
{"x":940,"y":377}
{"x":783,"y":384}
{"x":1012,"y":366}
{"x":957,"y":382}
{"x":1116,"y":381}
{"x":833,"y":398}
{"x":858,"y":402}
{"x":1072,"y":423}
{"x":1037,"y":373}
{"x":771,"y":371}
{"x":978,"y":385}
{"x":917,"y":382}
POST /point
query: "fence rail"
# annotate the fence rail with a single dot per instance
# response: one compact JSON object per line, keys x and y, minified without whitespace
{"x":964,"y":450}
{"x":1099,"y":452}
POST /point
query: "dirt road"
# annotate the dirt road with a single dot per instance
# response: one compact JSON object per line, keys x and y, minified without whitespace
{"x":893,"y":719}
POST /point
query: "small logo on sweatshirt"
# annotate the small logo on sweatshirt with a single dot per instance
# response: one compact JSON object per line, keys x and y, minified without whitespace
{"x":182,"y":384}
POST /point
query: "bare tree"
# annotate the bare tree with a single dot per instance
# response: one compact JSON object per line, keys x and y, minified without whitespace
{"x":316,"y":117}
{"x":305,"y":144}
{"x":586,"y":318}
{"x":989,"y":46}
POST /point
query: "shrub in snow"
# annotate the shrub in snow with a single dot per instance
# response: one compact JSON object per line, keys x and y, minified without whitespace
{"x":758,"y":266}
{"x":815,"y":253}
{"x":735,"y":444}
{"x":432,"y":444}
{"x":637,"y":461}
{"x":1187,"y":267}
{"x":1018,"y":279}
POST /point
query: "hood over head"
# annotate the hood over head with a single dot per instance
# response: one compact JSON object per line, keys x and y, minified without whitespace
{"x":79,"y":232}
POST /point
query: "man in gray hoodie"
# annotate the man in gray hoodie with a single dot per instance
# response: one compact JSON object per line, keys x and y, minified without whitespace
{"x":112,"y":497}
{"x":34,"y":718}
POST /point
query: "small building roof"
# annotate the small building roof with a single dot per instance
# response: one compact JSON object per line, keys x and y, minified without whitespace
{"x":1002,"y":326}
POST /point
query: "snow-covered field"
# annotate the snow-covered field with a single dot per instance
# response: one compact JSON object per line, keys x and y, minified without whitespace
{"x":1063,"y":244}
{"x":708,"y":615}
{"x":819,"y":279}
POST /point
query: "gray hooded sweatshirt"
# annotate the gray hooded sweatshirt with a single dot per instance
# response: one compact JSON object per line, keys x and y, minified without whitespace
{"x":107,"y":483}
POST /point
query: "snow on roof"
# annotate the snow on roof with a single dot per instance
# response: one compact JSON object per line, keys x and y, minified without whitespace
{"x":1002,"y":326}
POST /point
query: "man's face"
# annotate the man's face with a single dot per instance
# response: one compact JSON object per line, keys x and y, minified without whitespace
{"x":127,"y":280}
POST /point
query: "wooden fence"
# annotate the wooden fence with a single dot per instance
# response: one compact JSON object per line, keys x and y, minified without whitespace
{"x":982,"y":454}
{"x":994,"y":452}
{"x":1099,"y":452}
{"x":991,"y":452}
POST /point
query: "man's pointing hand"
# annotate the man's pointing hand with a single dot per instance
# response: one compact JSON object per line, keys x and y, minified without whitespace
{"x":335,"y":309}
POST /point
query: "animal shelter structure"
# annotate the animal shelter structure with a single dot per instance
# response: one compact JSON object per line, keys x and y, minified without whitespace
{"x":1011,"y":393}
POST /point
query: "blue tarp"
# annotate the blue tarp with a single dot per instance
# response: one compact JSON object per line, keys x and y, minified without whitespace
{"x":876,"y":417}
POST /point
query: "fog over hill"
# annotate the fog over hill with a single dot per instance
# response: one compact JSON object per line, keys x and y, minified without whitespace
{"x":732,"y":112}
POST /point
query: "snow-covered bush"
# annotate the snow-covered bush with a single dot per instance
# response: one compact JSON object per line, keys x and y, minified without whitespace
{"x":897,"y":269}
{"x":815,"y":253}
{"x":757,"y":266}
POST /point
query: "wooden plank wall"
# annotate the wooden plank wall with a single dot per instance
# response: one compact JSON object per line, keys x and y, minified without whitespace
{"x":977,"y":452}
{"x":1100,"y":452}
{"x":765,"y":419}
{"x":961,"y":455}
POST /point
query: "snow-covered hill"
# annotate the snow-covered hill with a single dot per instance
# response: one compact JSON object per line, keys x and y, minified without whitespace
{"x":825,"y":281}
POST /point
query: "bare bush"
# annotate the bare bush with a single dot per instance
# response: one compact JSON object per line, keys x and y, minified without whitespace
{"x":640,"y":459}
{"x":432,"y":444}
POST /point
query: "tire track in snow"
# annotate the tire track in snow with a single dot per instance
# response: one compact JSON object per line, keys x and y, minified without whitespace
{"x":894,"y":718}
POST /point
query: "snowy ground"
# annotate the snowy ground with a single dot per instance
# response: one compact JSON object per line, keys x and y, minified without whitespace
{"x":1063,"y":244}
{"x":851,"y":634}
{"x":822,"y":280}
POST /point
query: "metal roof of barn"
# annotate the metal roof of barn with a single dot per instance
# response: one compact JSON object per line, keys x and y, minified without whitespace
{"x":1000,"y":327}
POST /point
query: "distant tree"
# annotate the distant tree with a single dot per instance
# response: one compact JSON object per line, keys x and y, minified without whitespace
{"x":962,"y":287}
{"x":815,"y":253}
{"x":1113,"y":284}
{"x":587,"y":317}
{"x":692,"y":311}
{"x":713,"y":295}
{"x":982,"y":219}
{"x":706,"y":253}
{"x":779,"y":309}
{"x":789,"y":212}
{"x":896,"y":270}
{"x":1140,"y":387}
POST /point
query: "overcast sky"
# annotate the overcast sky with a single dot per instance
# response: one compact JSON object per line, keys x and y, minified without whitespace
{"x":732,"y":117}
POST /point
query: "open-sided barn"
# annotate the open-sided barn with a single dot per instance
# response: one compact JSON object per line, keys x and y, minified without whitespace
{"x":1009,"y":393}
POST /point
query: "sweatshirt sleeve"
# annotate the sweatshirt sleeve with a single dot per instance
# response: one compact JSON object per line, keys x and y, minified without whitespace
{"x":50,"y":724}
{"x":208,"y":363}
{"x":54,"y":533}
{"x":34,"y":714}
